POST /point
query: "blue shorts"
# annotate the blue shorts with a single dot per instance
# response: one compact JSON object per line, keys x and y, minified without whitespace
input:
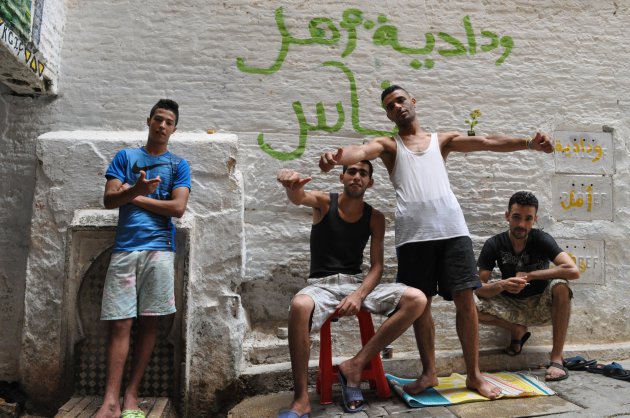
{"x":139,"y":283}
{"x":438,"y":267}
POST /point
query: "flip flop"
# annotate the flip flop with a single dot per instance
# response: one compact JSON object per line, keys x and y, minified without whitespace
{"x":289,"y":413}
{"x":558,"y":366}
{"x":577,"y":363}
{"x":132,"y":413}
{"x":350,"y":394}
{"x":617,"y":372}
{"x":603,"y":368}
{"x":511,"y":351}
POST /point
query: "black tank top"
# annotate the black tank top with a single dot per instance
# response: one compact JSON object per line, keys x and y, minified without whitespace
{"x":336,"y":245}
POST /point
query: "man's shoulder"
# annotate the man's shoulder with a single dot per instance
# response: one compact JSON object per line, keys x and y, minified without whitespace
{"x":498,"y":238}
{"x":538,"y":235}
{"x":448,"y":135}
{"x":497,"y":242}
{"x":388,"y":142}
{"x":177,"y":158}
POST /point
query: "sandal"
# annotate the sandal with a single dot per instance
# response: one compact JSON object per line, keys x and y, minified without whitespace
{"x":510,"y":351}
{"x":577,"y":363}
{"x":558,"y":366}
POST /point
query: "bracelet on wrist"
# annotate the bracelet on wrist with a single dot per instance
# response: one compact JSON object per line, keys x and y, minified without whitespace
{"x":529,"y":143}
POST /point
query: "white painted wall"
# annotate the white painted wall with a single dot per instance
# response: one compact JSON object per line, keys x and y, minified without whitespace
{"x":569,"y":67}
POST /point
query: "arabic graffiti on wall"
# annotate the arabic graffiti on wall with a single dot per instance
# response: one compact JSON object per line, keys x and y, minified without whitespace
{"x":21,"y":49}
{"x":324,"y":31}
{"x":18,"y":14}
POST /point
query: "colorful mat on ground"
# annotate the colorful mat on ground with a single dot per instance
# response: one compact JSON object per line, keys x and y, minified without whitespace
{"x":452,"y":389}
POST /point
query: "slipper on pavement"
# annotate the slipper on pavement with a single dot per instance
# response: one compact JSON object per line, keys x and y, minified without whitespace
{"x":289,"y":413}
{"x":603,"y":368}
{"x":350,"y":394}
{"x":577,"y":363}
{"x":618,"y":373}
{"x":558,"y":366}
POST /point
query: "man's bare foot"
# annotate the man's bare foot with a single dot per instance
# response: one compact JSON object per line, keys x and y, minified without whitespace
{"x":109,"y":410}
{"x":423,"y":383}
{"x":480,"y":385}
{"x":351,"y":372}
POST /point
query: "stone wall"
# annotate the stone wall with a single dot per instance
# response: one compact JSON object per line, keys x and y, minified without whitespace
{"x":69,"y":187}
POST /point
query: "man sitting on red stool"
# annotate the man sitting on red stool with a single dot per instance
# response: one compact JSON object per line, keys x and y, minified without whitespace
{"x":342,"y":225}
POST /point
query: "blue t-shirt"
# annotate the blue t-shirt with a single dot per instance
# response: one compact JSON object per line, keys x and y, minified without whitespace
{"x":139,"y":229}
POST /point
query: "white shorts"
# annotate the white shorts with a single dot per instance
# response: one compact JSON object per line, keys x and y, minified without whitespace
{"x":139,"y":283}
{"x":328,"y":291}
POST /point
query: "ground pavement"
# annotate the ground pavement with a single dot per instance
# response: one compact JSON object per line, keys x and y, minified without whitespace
{"x":583,"y":394}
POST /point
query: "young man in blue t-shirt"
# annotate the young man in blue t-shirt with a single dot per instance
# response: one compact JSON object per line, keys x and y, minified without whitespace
{"x":530,"y":293}
{"x":148,"y":185}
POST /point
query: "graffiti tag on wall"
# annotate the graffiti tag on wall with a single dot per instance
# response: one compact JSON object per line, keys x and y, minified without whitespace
{"x":18,"y":14}
{"x":20,"y":49}
{"x":324,"y":31}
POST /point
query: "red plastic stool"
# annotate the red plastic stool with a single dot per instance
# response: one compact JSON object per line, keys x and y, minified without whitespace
{"x":327,"y":374}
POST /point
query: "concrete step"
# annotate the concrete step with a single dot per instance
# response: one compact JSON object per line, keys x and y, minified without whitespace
{"x":271,"y":378}
{"x":86,"y":407}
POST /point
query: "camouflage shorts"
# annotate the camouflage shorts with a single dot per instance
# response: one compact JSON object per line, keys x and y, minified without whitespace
{"x":531,"y":311}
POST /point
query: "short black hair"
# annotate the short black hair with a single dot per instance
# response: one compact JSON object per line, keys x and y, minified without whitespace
{"x":167,"y":104}
{"x":368,"y":162}
{"x":389,"y":89}
{"x":523,"y":198}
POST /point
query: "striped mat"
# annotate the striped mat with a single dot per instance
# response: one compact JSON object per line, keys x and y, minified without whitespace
{"x":452,"y":389}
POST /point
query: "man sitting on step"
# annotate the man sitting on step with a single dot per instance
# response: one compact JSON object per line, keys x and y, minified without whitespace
{"x":530,"y":293}
{"x":342,"y":225}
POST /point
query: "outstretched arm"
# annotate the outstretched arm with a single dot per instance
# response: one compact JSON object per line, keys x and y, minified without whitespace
{"x":351,"y":304}
{"x":294,"y":186}
{"x":454,"y":141}
{"x":352,"y":154}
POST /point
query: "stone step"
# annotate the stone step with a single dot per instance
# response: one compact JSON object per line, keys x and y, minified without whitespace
{"x":86,"y":407}
{"x":270,"y":378}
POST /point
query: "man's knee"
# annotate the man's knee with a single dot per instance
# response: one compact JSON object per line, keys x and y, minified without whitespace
{"x":120,"y":327}
{"x":561,"y":292}
{"x":301,"y":305}
{"x":464,"y":300}
{"x":413,"y":300}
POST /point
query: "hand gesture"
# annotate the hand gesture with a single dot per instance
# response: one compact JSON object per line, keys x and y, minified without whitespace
{"x":541,"y":142}
{"x":291,"y":179}
{"x":514,"y":284}
{"x":328,"y":160}
{"x":144,"y":186}
{"x":349,"y":305}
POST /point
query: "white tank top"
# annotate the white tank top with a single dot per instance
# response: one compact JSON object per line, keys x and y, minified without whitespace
{"x":426,"y":207}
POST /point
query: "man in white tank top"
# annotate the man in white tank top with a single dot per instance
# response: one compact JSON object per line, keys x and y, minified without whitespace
{"x":433,"y":245}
